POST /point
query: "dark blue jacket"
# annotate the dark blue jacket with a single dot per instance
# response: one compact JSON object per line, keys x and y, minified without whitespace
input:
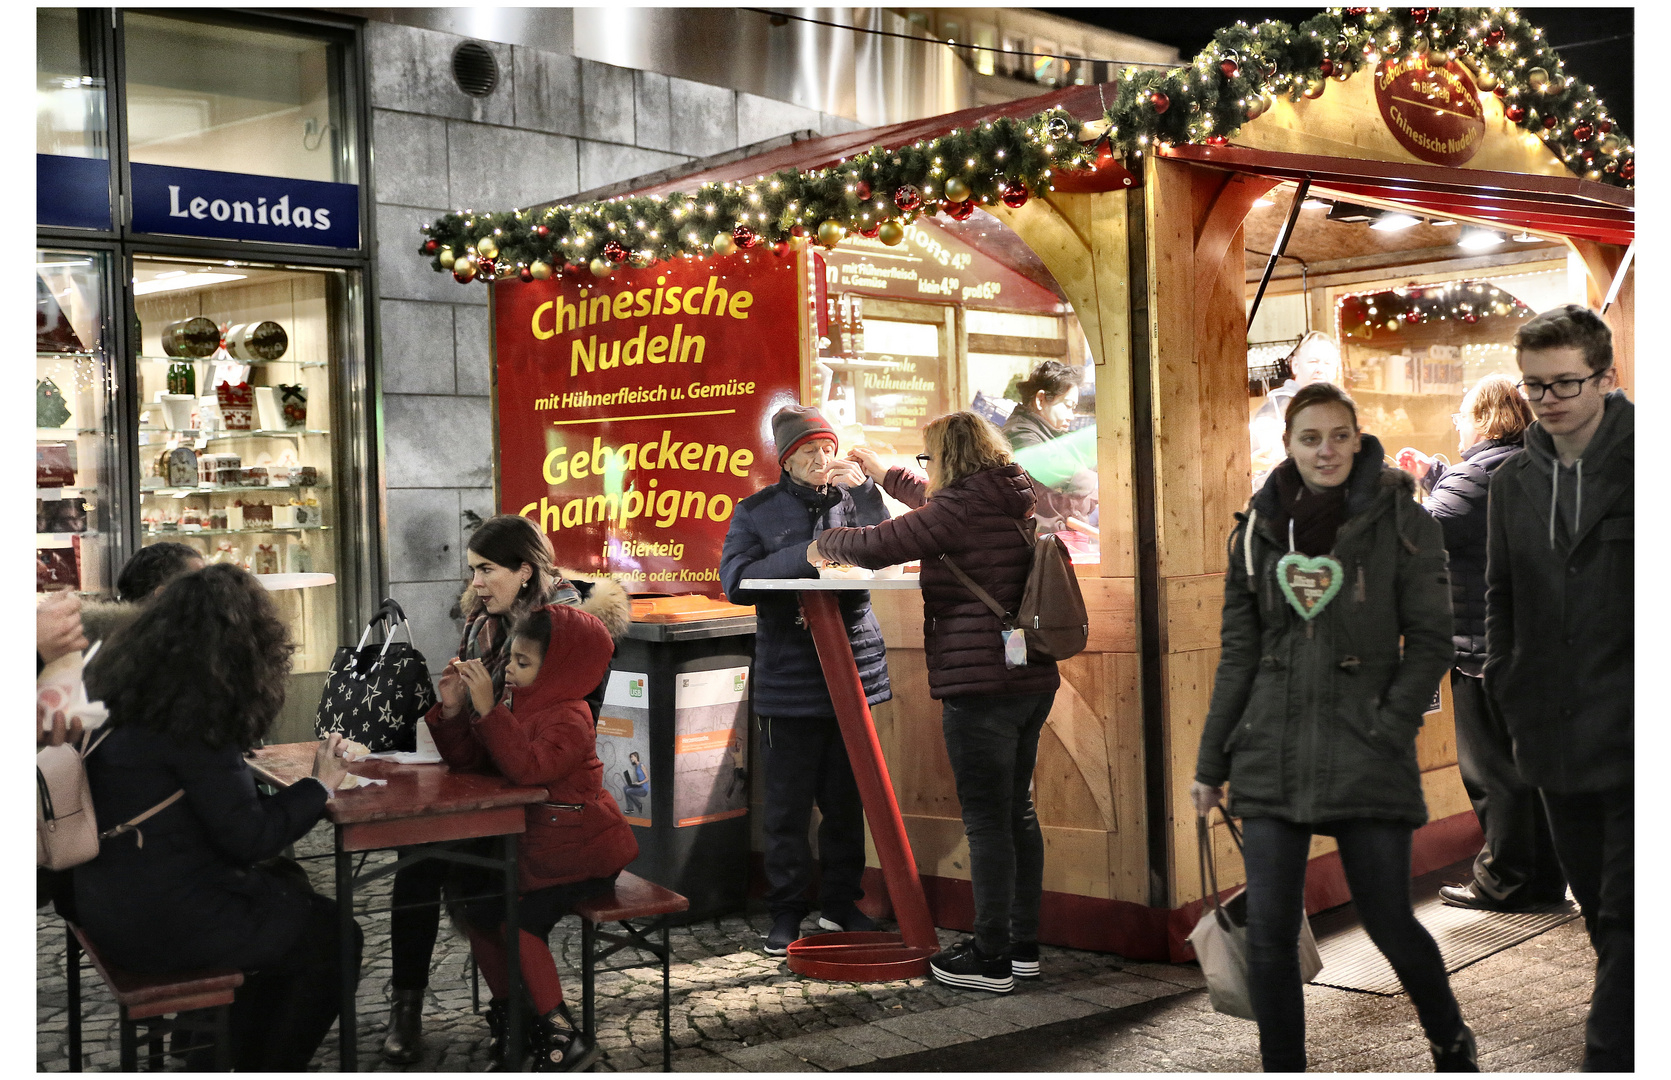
{"x":1458,"y":500}
{"x":768,"y":538}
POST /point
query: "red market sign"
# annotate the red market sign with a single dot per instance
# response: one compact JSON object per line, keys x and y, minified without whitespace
{"x":634,"y":411}
{"x":1433,"y":112}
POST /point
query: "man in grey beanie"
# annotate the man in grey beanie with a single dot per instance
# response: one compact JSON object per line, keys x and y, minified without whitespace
{"x":803,"y":755}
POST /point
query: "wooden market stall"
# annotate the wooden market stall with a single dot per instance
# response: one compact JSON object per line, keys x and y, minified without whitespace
{"x":1148,"y":254}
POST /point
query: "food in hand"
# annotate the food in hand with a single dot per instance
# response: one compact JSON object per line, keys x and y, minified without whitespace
{"x":352,"y":749}
{"x":349,"y":780}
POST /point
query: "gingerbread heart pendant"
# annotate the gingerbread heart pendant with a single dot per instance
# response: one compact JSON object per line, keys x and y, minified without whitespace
{"x":1309,"y":581}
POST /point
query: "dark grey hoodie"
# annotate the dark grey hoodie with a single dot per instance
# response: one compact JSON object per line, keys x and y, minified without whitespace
{"x":1560,"y":606}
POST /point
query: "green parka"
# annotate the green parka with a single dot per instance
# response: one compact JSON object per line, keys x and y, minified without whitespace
{"x":1321,"y":726}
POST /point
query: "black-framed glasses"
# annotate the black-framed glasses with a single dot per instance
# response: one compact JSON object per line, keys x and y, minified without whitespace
{"x":923,"y":460}
{"x":1563,"y":388}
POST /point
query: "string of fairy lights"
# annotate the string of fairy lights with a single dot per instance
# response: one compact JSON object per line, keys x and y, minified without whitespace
{"x":878,"y":193}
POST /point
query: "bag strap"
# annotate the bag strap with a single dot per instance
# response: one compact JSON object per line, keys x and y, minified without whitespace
{"x":1204,"y":853}
{"x":132,"y":824}
{"x":390,"y":613}
{"x":985,"y":597}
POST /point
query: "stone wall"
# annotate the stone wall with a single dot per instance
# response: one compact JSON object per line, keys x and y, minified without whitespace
{"x":554,"y":125}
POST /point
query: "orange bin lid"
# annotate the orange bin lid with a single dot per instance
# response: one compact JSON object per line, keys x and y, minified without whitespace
{"x":677,"y":609}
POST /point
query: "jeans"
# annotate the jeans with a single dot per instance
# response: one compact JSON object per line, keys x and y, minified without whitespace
{"x":1376,"y":857}
{"x":806,"y":763}
{"x":283,"y":1011}
{"x":1595,"y":833}
{"x":993,"y":743}
{"x":1518,"y":856}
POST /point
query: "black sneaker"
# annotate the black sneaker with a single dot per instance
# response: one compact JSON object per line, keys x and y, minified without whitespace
{"x":846,"y":918}
{"x":1024,"y":959}
{"x":1462,"y":1055}
{"x":785,"y":929}
{"x":965,"y":966}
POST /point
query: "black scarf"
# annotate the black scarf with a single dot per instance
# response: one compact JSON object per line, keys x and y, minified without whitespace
{"x":1317,"y":515}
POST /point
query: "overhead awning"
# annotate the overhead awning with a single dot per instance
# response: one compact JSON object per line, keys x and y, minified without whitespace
{"x":1564,"y":205}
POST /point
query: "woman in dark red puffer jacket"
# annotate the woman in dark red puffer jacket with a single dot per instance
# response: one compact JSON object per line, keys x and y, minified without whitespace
{"x":975,"y":508}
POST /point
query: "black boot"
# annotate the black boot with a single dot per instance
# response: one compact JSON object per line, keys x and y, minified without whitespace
{"x":1462,"y":1055}
{"x":559,"y":1045}
{"x":406,"y":1020}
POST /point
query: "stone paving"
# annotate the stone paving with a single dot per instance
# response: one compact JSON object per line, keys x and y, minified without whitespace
{"x":734,"y":1008}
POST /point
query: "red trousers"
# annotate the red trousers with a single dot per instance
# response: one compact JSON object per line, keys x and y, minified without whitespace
{"x":539,"y":970}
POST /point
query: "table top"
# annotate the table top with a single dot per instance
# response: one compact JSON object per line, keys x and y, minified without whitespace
{"x":807,"y":584}
{"x":412,"y":790}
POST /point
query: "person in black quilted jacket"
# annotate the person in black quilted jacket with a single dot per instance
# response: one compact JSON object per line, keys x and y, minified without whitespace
{"x":1517,"y":866}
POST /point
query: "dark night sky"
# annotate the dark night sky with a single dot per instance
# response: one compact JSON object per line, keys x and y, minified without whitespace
{"x":1608,"y":64}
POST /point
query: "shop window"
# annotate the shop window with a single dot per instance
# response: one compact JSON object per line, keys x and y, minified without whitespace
{"x":986,"y":36}
{"x":77,"y":502}
{"x":237,"y":99}
{"x":69,"y":89}
{"x":237,"y":367}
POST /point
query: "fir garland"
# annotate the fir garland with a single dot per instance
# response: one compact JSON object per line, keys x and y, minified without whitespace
{"x":1235,"y":79}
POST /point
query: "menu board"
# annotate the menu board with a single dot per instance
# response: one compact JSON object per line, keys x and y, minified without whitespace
{"x":934,"y":265}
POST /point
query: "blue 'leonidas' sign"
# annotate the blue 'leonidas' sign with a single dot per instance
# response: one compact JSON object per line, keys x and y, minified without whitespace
{"x":237,"y":206}
{"x":72,"y":191}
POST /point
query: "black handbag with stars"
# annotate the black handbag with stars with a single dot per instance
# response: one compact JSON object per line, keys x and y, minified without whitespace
{"x":376,"y":694}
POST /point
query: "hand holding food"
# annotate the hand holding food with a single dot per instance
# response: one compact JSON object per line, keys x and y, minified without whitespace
{"x":328,"y":764}
{"x":453,"y":692}
{"x":867,"y":459}
{"x":844,"y":472}
{"x":479,"y":683}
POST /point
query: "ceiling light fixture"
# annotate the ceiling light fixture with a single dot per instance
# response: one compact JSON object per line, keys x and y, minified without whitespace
{"x":1479,"y":240}
{"x":170,"y":282}
{"x":1391,"y":221}
{"x":1314,"y":204}
{"x":1524,"y":237}
{"x":1441,"y":221}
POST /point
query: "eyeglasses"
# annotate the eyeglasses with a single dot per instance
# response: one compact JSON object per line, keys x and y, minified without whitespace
{"x":1563,"y":388}
{"x":923,"y":460}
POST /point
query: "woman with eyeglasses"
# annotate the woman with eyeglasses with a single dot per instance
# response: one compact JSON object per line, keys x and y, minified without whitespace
{"x":1517,"y":867}
{"x":973,"y":509}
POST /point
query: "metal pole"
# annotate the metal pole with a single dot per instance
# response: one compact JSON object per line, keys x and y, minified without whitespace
{"x":1281,"y":245}
{"x":513,"y":962}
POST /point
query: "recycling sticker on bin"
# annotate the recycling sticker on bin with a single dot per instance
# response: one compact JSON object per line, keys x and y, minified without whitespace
{"x":623,"y":739}
{"x":710,"y":745}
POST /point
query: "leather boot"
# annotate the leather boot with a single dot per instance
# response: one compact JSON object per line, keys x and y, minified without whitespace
{"x":403,"y":1044}
{"x":498,"y":1059}
{"x":558,"y":1044}
{"x":1462,"y":1055}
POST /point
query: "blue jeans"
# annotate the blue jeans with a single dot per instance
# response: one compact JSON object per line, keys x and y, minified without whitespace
{"x":993,"y":743}
{"x":1376,"y":857}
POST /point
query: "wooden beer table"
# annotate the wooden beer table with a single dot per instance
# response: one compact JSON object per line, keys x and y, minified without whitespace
{"x":424,"y":806}
{"x":874,"y":956}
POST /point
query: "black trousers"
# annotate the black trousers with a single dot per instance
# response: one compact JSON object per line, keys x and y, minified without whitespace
{"x":1518,"y":859}
{"x":412,"y":933}
{"x":283,"y":1011}
{"x":1595,"y":833}
{"x":1376,"y":858}
{"x":806,"y":764}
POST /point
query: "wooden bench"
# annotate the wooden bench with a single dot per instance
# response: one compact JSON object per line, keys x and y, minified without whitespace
{"x":632,"y":899}
{"x":148,"y":999}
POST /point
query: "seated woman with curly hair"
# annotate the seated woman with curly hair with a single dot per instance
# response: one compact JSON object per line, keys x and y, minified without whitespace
{"x":191,"y":684}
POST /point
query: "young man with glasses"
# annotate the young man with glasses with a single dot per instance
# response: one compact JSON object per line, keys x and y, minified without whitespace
{"x":1560,"y":637}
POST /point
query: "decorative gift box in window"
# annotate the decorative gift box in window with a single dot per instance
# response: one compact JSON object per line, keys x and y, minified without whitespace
{"x":294,"y":400}
{"x":237,"y":404}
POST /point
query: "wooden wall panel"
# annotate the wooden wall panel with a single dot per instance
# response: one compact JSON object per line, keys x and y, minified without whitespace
{"x":1194,"y":610}
{"x":1128,"y":850}
{"x":1189,"y":689}
{"x":1226,"y":456}
{"x":1436,"y":742}
{"x":1176,"y":381}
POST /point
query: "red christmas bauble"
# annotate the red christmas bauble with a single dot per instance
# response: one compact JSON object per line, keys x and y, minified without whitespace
{"x":780,"y":248}
{"x":907,"y":197}
{"x":1582,"y":132}
{"x":1494,"y":35}
{"x":1014,"y":194}
{"x":1356,"y":10}
{"x":959,"y":211}
{"x":862,"y":189}
{"x":1501,"y":91}
{"x":1326,"y":67}
{"x":1628,"y":169}
{"x":1550,"y":122}
{"x":486,"y":268}
{"x":1605,"y":127}
{"x":541,"y":231}
{"x":1470,"y":318}
{"x":431,"y":247}
{"x":613,"y":251}
{"x":1216,"y":140}
{"x":1589,"y":157}
{"x":525,"y":274}
{"x":1515,"y":113}
{"x":745,"y":236}
{"x":1160,"y":101}
{"x":797,"y":229}
{"x":1412,"y":316}
{"x":869,"y":231}
{"x":1229,"y":67}
{"x":1420,"y":15}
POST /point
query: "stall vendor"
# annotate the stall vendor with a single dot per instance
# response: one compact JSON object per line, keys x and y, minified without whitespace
{"x":800,"y":742}
{"x":1049,"y":398}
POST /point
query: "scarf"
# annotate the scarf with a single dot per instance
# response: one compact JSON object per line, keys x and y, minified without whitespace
{"x":1316,"y":515}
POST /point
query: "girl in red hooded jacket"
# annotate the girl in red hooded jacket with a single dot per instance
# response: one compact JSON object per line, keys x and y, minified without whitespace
{"x":576,"y":842}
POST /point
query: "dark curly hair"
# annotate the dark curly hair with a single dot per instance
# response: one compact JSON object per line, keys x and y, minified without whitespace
{"x":207,"y":658}
{"x":152,"y":566}
{"x":535,"y":628}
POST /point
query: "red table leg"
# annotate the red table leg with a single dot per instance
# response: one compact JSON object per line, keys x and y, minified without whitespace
{"x":865,"y":956}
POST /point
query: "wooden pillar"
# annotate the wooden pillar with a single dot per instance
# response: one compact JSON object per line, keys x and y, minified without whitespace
{"x":1602,"y":261}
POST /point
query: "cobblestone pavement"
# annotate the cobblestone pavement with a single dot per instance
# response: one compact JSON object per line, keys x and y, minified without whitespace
{"x":734,"y":1008}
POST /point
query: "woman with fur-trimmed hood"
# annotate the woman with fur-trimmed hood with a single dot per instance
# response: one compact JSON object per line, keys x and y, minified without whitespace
{"x":512,"y":572}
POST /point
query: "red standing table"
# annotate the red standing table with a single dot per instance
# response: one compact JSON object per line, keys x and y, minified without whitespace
{"x":426,"y":805}
{"x":861,"y":957}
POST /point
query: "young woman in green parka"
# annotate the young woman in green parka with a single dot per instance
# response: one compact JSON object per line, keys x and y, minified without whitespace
{"x":1315,"y":710}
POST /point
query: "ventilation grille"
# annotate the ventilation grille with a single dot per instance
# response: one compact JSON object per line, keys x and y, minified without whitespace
{"x":475,"y":70}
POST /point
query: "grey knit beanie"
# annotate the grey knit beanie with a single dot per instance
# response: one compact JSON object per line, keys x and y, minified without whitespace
{"x":794,"y":425}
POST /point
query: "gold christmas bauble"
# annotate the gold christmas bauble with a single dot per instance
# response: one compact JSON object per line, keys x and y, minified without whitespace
{"x":1609,"y":145}
{"x":1487,"y":80}
{"x":831,"y":232}
{"x":1314,"y":88}
{"x":1418,"y":45}
{"x":1255,"y":109}
{"x":602,"y":268}
{"x":445,"y":257}
{"x":1392,"y":324}
{"x":724,"y":244}
{"x":464,"y":268}
{"x":486,"y":248}
{"x":540,"y":270}
{"x":957,"y":190}
{"x":891,"y":233}
{"x":1537,"y":78}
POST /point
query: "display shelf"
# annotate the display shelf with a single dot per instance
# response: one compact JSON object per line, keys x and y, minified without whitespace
{"x":149,"y":531}
{"x":56,"y":434}
{"x":183,"y":492}
{"x":218,"y":436}
{"x":53,"y":494}
{"x":223,"y":360}
{"x":63,"y":539}
{"x":39,"y":355}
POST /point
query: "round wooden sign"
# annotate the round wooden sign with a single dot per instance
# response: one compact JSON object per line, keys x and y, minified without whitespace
{"x":1433,"y":111}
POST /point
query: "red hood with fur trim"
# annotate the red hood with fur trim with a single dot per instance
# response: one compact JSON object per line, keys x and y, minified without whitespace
{"x":575,"y":662}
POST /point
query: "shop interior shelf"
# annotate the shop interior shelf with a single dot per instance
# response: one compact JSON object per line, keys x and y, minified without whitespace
{"x":62,"y":539}
{"x":39,"y":355}
{"x":223,"y":489}
{"x":57,"y":434}
{"x":223,"y":360}
{"x":234,"y":532}
{"x":216,"y":436}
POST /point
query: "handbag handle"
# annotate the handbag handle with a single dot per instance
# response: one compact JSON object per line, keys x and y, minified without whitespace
{"x":389,"y":612}
{"x":1204,"y":854}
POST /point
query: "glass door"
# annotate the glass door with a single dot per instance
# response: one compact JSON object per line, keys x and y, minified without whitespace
{"x":78,"y":512}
